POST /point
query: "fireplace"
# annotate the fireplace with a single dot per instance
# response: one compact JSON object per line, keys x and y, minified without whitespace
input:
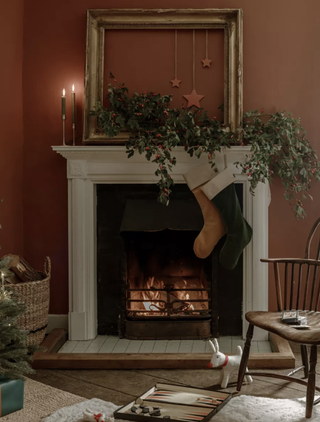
{"x":89,"y":168}
{"x":150,"y":283}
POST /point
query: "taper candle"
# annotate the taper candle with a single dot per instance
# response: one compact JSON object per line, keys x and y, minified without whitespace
{"x":73,"y":101}
{"x":63,"y":102}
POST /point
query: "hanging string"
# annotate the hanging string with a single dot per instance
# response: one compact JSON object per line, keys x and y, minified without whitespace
{"x":206,"y":62}
{"x":206,"y":43}
{"x":175,"y":54}
{"x":194,"y":60}
{"x":194,"y":98}
{"x":175,"y":82}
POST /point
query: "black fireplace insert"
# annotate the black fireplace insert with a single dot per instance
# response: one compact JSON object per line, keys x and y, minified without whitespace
{"x":150,"y":283}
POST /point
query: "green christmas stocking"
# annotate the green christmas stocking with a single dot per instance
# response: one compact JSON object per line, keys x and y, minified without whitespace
{"x":239,"y":232}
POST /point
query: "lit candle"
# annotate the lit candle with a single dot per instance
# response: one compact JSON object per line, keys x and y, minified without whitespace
{"x":63,"y":102}
{"x":73,"y":100}
{"x":2,"y":280}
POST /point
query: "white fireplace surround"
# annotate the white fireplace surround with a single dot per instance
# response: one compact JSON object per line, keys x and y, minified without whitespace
{"x":88,"y":166}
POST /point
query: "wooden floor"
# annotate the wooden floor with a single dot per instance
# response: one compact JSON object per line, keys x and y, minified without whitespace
{"x":113,"y":344}
{"x":121,"y":386}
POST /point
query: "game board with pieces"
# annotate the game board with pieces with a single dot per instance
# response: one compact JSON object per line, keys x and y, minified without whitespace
{"x":174,"y":402}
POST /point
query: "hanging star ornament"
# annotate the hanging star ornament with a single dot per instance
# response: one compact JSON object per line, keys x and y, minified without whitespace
{"x":206,"y":62}
{"x":175,"y":82}
{"x":193,"y":99}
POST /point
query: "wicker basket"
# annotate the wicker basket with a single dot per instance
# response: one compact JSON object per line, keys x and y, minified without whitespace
{"x":36,"y":295}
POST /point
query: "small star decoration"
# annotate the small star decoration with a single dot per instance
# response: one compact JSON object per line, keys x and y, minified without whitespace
{"x":206,"y":62}
{"x":175,"y":82}
{"x":193,"y":99}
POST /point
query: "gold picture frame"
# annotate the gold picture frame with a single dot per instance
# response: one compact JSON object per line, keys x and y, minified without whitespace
{"x":99,"y":20}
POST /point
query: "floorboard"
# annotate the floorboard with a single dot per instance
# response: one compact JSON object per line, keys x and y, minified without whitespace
{"x":121,"y":386}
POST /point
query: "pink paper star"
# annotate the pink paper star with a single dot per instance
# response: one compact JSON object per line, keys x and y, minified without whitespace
{"x":175,"y":82}
{"x":193,"y":99}
{"x":206,"y":62}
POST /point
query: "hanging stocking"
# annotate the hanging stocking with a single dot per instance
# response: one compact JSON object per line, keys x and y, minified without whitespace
{"x":221,"y":213}
{"x":214,"y":227}
{"x":239,"y":232}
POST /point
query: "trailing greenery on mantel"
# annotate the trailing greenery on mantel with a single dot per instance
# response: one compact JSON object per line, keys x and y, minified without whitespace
{"x":278,"y":142}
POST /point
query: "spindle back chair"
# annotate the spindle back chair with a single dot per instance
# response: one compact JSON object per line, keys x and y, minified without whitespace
{"x":297,"y":287}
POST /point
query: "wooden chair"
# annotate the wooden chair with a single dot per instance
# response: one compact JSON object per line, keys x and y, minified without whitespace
{"x":297,"y":287}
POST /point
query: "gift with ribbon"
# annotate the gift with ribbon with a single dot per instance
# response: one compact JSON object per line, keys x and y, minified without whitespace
{"x":11,"y":395}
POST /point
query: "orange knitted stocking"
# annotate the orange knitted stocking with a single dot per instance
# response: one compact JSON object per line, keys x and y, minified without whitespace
{"x":213,"y":229}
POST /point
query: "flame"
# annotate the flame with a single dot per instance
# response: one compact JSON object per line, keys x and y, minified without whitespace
{"x":154,"y":297}
{"x":152,"y":305}
{"x":190,"y":306}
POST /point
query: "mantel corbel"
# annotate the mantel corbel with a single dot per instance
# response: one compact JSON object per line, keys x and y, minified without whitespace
{"x":77,"y":169}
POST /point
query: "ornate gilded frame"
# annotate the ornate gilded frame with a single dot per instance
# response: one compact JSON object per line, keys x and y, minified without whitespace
{"x":98,"y":20}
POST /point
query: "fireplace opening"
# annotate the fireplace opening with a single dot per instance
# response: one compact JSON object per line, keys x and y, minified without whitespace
{"x":150,"y":285}
{"x":168,"y":290}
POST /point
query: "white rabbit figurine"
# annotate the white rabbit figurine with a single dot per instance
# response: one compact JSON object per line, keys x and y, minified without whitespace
{"x":93,"y":416}
{"x":228,"y":363}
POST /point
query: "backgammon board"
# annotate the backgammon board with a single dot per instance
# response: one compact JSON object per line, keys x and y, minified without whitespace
{"x":174,"y":403}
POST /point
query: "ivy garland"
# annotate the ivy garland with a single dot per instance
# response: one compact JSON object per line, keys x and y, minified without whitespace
{"x":279,"y":144}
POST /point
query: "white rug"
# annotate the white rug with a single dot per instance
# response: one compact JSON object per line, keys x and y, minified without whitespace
{"x":239,"y":409}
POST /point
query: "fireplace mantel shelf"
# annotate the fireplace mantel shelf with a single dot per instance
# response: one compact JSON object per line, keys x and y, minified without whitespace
{"x":108,"y":153}
{"x":88,"y":166}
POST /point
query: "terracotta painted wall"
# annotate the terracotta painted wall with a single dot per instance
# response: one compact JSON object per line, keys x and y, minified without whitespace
{"x":11,"y":132}
{"x":281,"y":71}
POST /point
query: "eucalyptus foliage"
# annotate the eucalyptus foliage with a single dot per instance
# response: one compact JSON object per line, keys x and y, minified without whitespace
{"x":279,"y":144}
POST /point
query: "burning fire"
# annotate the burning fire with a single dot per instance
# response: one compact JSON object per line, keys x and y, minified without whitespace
{"x":156,"y":296}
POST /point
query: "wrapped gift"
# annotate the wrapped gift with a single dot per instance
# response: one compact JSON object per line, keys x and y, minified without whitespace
{"x":11,"y":395}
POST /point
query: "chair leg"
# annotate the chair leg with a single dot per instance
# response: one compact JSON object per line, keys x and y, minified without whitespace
{"x":311,"y":381}
{"x":245,"y":357}
{"x":304,"y":356}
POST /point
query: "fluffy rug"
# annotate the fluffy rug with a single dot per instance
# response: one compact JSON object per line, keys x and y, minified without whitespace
{"x":41,"y":400}
{"x":239,"y":409}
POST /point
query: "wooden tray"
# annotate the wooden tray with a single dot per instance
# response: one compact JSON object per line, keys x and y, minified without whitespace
{"x":179,"y":402}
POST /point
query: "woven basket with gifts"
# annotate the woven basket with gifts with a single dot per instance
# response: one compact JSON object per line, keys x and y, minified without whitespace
{"x":34,"y":290}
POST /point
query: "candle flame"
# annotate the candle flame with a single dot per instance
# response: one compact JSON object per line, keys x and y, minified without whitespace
{"x":72,"y":87}
{"x":63,"y":92}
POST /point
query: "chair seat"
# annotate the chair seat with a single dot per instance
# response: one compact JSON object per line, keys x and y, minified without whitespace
{"x":271,"y":321}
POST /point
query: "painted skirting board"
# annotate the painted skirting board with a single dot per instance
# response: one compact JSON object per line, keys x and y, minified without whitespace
{"x":57,"y":321}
